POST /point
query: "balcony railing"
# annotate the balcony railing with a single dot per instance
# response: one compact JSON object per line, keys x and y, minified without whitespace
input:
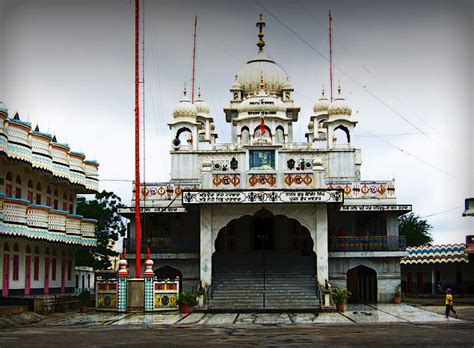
{"x":163,"y":245}
{"x":32,"y":218}
{"x":367,"y":243}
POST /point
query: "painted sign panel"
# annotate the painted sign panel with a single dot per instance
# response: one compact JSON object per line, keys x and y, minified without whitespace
{"x":267,"y":196}
{"x":394,"y":207}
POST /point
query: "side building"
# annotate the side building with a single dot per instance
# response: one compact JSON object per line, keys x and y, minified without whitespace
{"x":266,"y":221}
{"x":39,"y":227}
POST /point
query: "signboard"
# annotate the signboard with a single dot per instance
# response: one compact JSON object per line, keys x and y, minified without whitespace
{"x":106,"y":295}
{"x":394,"y":207}
{"x":262,"y":196}
{"x":153,"y":210}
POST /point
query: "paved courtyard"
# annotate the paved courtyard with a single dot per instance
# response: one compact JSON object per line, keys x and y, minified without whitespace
{"x":380,"y":313}
{"x":382,"y":324}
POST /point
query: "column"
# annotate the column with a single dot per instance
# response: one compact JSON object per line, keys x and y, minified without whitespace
{"x":206,"y":246}
{"x":322,"y":269}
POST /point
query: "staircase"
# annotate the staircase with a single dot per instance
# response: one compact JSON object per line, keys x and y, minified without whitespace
{"x":263,"y":282}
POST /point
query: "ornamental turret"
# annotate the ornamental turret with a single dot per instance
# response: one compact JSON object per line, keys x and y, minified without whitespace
{"x":339,"y":125}
{"x":184,"y":125}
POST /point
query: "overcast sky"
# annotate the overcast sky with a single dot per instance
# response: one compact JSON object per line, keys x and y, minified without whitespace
{"x":405,"y":67}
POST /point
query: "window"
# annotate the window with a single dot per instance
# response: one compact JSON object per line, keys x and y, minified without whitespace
{"x":9,"y":185}
{"x":48,"y":196}
{"x":56,"y":200}
{"x":18,"y":187}
{"x":36,"y":262}
{"x":262,"y":159}
{"x":38,"y":194}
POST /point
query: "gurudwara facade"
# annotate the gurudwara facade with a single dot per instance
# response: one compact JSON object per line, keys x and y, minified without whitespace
{"x":39,"y":228}
{"x":266,"y":221}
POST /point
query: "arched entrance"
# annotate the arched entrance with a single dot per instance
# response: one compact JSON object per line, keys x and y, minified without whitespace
{"x":264,"y":261}
{"x":170,"y":273}
{"x":362,"y":283}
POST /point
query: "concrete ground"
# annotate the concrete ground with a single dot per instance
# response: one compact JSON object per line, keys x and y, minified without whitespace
{"x":382,"y":324}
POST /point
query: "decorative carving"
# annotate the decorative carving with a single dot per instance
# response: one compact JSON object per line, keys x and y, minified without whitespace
{"x":234,"y":164}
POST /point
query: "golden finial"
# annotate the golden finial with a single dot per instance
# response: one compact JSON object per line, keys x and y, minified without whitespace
{"x":260,"y":26}
{"x":262,"y":81}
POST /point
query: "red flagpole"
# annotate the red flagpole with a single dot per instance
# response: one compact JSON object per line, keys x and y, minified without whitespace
{"x":137,"y":141}
{"x":330,"y":52}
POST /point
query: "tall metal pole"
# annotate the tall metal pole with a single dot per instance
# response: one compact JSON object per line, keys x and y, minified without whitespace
{"x":330,"y":53}
{"x":137,"y":141}
{"x":194,"y":60}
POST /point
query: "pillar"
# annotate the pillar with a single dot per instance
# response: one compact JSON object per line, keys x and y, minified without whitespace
{"x":206,"y":246}
{"x":322,"y":268}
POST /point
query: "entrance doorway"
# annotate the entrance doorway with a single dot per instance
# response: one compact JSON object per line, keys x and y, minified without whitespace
{"x":362,"y":283}
{"x":263,"y":233}
{"x":264,"y":262}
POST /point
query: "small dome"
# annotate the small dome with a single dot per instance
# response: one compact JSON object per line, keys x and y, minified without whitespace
{"x":339,"y":106}
{"x":236,"y":85}
{"x":322,"y":105}
{"x":311,"y":125}
{"x":185,"y":109}
{"x":213,"y":126}
{"x":201,"y":106}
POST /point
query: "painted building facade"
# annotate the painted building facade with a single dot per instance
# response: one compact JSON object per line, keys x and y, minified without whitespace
{"x":39,"y":227}
{"x":266,"y":213}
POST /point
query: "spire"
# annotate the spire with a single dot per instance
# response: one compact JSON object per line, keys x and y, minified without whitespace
{"x":339,"y":88}
{"x":260,"y":26}
{"x":262,"y":82}
{"x":199,"y":92}
{"x":184,"y":90}
{"x":322,"y":92}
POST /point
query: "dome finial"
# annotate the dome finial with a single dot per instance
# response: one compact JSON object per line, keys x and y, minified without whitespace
{"x":199,"y":92}
{"x":339,"y":88}
{"x":322,"y":92}
{"x":260,"y":26}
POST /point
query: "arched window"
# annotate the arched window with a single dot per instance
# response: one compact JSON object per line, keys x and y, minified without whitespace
{"x":16,"y":263}
{"x":9,"y":185}
{"x":341,"y":136}
{"x":18,"y":190}
{"x":6,"y":248}
{"x":185,"y":136}
{"x":28,"y":249}
{"x":279,"y":135}
{"x":29,"y":194}
{"x":245,"y":136}
{"x":38,"y":194}
{"x":48,"y":197}
{"x":257,"y":133}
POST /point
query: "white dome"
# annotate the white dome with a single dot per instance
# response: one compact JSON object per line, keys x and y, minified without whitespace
{"x":201,"y":106}
{"x":322,"y":105}
{"x":249,"y":75}
{"x":185,"y":109}
{"x":339,"y":106}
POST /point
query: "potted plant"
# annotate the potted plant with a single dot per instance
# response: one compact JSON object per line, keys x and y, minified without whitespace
{"x":185,"y":301}
{"x":84,"y":298}
{"x":339,"y":296}
{"x":397,"y":299}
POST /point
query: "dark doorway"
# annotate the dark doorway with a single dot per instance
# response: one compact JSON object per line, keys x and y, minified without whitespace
{"x":362,"y":283}
{"x":263,"y":233}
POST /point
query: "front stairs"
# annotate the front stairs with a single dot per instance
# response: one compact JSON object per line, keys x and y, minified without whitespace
{"x":263,"y":281}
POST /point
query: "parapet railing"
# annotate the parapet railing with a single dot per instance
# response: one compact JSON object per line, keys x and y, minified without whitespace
{"x":367,"y":243}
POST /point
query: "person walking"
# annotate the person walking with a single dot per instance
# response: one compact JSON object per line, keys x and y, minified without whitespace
{"x":449,"y":303}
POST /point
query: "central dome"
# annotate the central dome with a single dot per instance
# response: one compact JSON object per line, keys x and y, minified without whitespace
{"x":249,"y":75}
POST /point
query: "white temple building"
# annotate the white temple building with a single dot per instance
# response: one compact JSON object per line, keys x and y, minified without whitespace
{"x":265,"y":221}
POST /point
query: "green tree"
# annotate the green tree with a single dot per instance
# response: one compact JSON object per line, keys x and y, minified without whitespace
{"x":415,"y":229}
{"x":110,"y":226}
